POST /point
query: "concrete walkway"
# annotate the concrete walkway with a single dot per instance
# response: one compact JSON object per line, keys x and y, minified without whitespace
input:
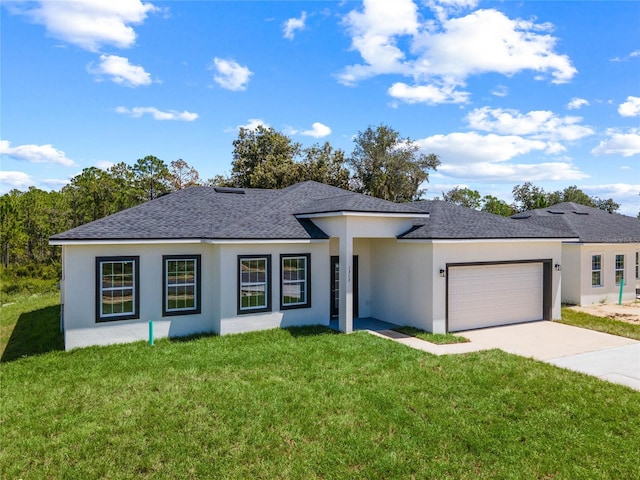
{"x":608,"y":357}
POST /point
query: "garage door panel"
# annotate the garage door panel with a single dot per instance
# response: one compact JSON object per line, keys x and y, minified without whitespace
{"x":500,"y":294}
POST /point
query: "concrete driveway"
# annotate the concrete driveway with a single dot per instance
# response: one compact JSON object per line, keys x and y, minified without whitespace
{"x":608,"y":357}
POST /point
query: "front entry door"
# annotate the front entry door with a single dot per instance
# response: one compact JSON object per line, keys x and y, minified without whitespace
{"x":335,"y":286}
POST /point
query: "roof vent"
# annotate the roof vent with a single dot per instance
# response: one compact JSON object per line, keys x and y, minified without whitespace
{"x":239,"y":191}
{"x":555,"y":213}
{"x":581,"y":213}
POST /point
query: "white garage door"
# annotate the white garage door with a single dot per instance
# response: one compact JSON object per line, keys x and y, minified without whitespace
{"x":489,"y":295}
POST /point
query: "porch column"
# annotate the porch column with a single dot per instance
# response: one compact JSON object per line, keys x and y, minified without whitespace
{"x":345,"y":314}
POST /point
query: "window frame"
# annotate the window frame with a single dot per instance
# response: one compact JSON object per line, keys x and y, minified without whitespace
{"x":135,"y":314}
{"x":267,"y":282}
{"x":197,"y":308}
{"x":306,"y":282}
{"x":616,"y":269}
{"x":637,"y":265}
{"x":601,"y":283}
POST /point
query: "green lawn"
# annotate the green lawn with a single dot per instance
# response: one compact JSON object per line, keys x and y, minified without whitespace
{"x":301,"y":403}
{"x":437,"y":338}
{"x":601,"y":324}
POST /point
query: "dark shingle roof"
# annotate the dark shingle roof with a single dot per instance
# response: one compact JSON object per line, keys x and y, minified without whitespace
{"x":590,"y":225}
{"x":449,"y":221}
{"x":208,"y":213}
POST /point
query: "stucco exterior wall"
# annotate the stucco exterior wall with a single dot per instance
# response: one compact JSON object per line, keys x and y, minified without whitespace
{"x":79,"y":295}
{"x":364,"y":226}
{"x":402,"y":278}
{"x":227,"y":308}
{"x":609,"y":292}
{"x":571,"y":261}
{"x":490,"y":251}
{"x":219,"y":287}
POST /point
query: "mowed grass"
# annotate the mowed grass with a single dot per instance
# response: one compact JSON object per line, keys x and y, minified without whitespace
{"x":308,"y":403}
{"x":437,"y":338}
{"x":601,"y":324}
{"x":29,"y":325}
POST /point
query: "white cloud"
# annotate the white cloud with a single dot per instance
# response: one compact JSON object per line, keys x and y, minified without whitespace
{"x":488,"y":41}
{"x":231,"y":75}
{"x":252,"y":124}
{"x":318,"y":130}
{"x":618,"y":143}
{"x":577,"y":103}
{"x":487,"y":157}
{"x":36,"y":154}
{"x":498,"y":172}
{"x":500,"y":91}
{"x":540,"y":124}
{"x":635,"y":53}
{"x":104,"y":164}
{"x":430,"y":94}
{"x":374,"y":32}
{"x":471,"y":147}
{"x":625,"y":194}
{"x":54,"y":183}
{"x":11,"y":180}
{"x":445,"y":8}
{"x":120,"y":71}
{"x":630,"y":108}
{"x":293,"y":24}
{"x":137,"y":112}
{"x":444,"y":53}
{"x":89,"y":24}
{"x":614,"y":190}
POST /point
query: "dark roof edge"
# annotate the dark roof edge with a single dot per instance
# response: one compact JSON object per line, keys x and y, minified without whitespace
{"x":414,"y":213}
{"x":181,"y":239}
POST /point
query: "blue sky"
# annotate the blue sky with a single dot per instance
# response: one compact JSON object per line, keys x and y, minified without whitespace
{"x":504,"y":92}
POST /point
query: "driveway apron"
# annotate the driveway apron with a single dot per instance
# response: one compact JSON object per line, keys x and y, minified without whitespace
{"x":608,"y":357}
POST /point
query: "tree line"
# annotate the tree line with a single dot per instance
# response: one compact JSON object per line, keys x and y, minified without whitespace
{"x":382,"y":164}
{"x":526,"y":197}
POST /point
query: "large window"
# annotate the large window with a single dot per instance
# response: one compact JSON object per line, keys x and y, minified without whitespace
{"x":295,"y":286}
{"x":596,"y":270}
{"x":619,"y":271}
{"x":117,"y":295}
{"x":254,"y":285}
{"x":181,"y":293}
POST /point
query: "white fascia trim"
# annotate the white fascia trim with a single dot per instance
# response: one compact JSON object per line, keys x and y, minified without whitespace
{"x":178,"y":241}
{"x":363,"y":214}
{"x":632,"y":245}
{"x":482,"y":240}
{"x":263,"y":242}
{"x":125,"y":242}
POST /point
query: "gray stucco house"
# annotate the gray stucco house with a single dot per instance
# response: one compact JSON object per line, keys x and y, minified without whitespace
{"x":226,"y":260}
{"x":605,"y":253}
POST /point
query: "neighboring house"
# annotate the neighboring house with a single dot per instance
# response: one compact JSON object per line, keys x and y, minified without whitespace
{"x":227,"y":260}
{"x":606,"y":252}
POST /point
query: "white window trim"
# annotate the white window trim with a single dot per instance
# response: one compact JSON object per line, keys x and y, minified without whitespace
{"x":601,"y":284}
{"x":616,"y":269}
{"x":267,"y":284}
{"x":100,"y":289}
{"x":306,"y":281}
{"x":196,"y":284}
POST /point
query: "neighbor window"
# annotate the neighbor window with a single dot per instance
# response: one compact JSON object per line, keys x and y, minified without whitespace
{"x":254,"y":286}
{"x":117,"y":296}
{"x":294,"y":281}
{"x":181,"y":294}
{"x":619,"y":269}
{"x":596,"y":270}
